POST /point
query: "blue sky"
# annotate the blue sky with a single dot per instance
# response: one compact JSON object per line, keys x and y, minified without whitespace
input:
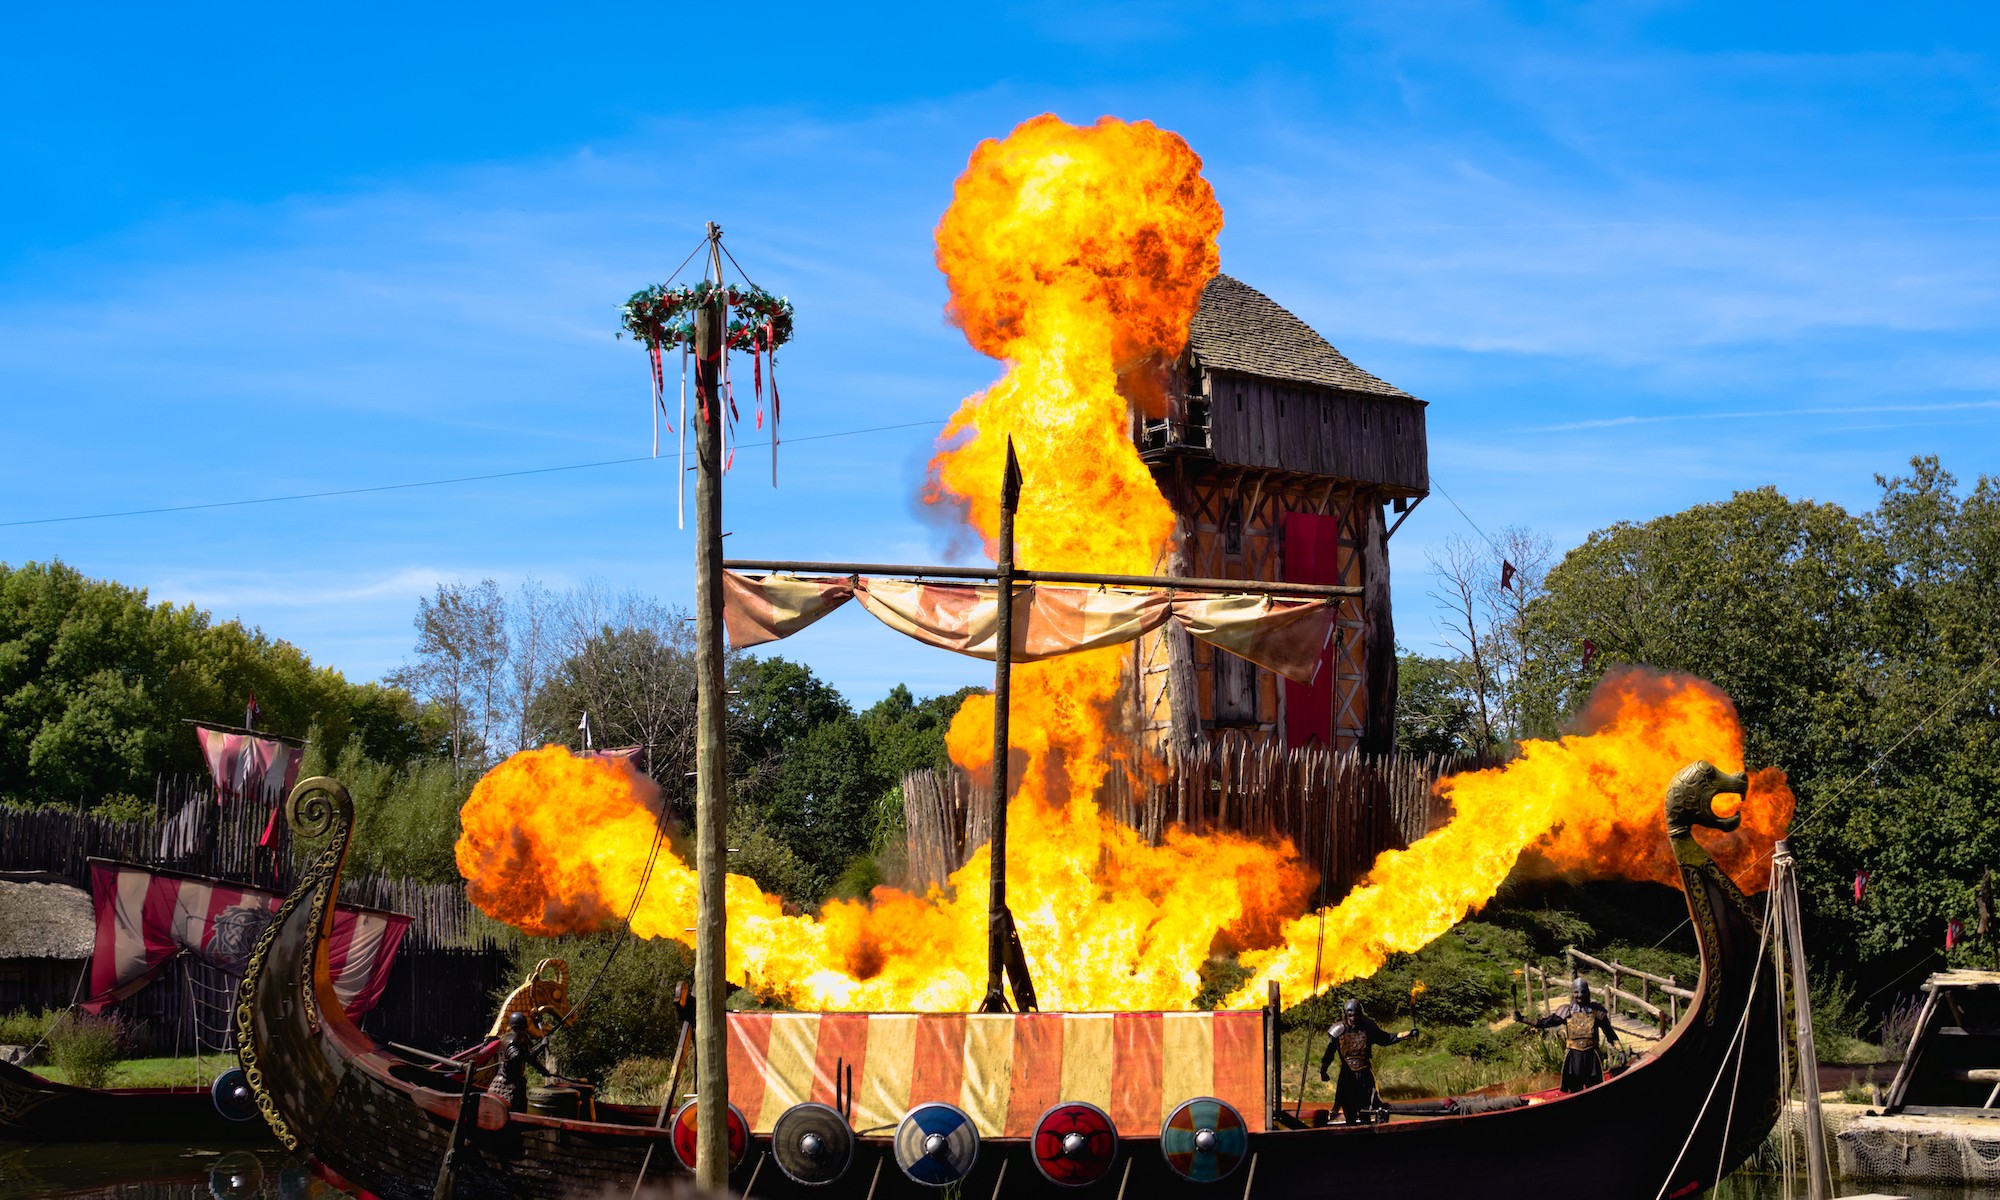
{"x":1636,"y":257}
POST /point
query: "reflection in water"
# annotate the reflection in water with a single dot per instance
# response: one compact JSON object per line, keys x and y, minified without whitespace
{"x":152,"y":1172}
{"x":194,"y":1173}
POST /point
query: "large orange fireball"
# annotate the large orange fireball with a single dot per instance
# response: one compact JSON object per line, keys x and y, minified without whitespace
{"x":1076,"y":256}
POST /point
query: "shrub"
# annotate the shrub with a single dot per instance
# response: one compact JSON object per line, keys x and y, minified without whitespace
{"x":86,"y":1048}
{"x":1221,"y":976}
{"x":1899,"y":1025}
{"x":1548,"y":929}
{"x":24,"y":1028}
{"x":1475,"y":1042}
{"x":640,"y":1080}
{"x":1835,"y":1010}
{"x":631,"y":1012}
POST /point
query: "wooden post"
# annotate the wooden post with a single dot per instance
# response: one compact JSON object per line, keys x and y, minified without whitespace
{"x":1819,"y":1180}
{"x":711,"y":1072}
{"x":997,"y":918}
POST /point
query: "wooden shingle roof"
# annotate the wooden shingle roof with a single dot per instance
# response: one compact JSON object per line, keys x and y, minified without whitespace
{"x":1238,"y":328}
{"x":45,"y":920}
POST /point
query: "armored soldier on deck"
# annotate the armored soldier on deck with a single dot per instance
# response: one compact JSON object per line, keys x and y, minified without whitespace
{"x":1353,"y":1039}
{"x":1581,"y":1020}
{"x":517,"y":1053}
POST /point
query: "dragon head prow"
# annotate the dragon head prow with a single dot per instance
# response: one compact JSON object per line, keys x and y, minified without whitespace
{"x":1691,"y":798}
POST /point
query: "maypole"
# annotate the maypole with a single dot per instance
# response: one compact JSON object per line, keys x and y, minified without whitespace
{"x":700,"y":318}
{"x":711,"y":1069}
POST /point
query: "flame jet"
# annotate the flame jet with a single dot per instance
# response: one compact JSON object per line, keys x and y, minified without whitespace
{"x":1076,"y":256}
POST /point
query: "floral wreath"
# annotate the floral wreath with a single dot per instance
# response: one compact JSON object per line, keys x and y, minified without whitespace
{"x":664,"y":316}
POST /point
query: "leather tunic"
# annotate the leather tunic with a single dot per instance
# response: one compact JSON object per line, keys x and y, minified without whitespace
{"x":1580,"y":1026}
{"x":1355,"y":1054}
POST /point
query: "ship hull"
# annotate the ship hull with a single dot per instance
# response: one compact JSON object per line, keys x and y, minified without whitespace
{"x":1669,"y":1126}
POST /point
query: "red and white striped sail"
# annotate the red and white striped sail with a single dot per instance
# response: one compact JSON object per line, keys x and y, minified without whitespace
{"x":145,"y":917}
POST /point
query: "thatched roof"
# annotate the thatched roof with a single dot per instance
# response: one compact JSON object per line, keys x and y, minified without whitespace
{"x":1239,"y":328}
{"x":45,"y":920}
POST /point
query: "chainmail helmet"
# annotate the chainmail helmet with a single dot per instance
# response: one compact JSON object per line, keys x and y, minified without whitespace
{"x":1579,"y":990}
{"x":1351,"y":1011}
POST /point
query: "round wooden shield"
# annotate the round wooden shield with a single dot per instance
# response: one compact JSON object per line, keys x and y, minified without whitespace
{"x":1204,"y":1139}
{"x":231,"y":1095}
{"x":1075,"y":1143}
{"x":683,"y":1135}
{"x":812,"y":1143}
{"x":936,"y":1144}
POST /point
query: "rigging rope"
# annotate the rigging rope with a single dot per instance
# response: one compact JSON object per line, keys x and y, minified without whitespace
{"x":625,"y":934}
{"x":1735,"y":1044}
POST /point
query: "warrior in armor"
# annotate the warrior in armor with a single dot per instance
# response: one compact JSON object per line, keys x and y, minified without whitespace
{"x":510,"y":1075}
{"x":1353,"y":1039}
{"x":1581,"y":1020}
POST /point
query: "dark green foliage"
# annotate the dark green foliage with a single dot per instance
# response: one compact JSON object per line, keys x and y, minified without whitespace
{"x":86,"y":1048}
{"x":1435,"y":711}
{"x":906,"y":734}
{"x":630,"y":1013}
{"x":1854,"y":648}
{"x":818,"y":808}
{"x":766,"y":858}
{"x":405,"y":816}
{"x":776,"y":703}
{"x":1476,"y":1042}
{"x":822,"y":797}
{"x":95,"y":681}
{"x":1468,"y":977}
{"x":1764,"y":596}
{"x":1836,"y":1009}
{"x":24,"y":1028}
{"x":1220,"y":977}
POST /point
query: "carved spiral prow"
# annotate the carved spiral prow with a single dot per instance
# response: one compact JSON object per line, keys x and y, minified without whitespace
{"x":317,"y":805}
{"x":1691,"y":798}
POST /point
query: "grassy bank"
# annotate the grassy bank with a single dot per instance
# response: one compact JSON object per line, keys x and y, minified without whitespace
{"x":153,"y":1072}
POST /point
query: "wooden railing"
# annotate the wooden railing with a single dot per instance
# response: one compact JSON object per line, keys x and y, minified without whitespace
{"x":1640,"y":1002}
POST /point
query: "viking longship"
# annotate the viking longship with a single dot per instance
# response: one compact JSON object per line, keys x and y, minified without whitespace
{"x":1149,"y":1104}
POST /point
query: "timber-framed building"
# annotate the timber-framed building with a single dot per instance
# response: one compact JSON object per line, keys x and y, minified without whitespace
{"x":1284,"y":461}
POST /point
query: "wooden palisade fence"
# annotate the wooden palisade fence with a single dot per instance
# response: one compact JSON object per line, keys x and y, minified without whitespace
{"x":440,"y":991}
{"x":1340,"y":809}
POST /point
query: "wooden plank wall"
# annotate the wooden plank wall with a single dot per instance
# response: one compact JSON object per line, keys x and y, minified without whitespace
{"x":1353,"y":436}
{"x":1338,"y":808}
{"x":1209,"y":500}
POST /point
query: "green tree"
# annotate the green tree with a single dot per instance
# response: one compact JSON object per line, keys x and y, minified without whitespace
{"x":95,"y":681}
{"x":1434,"y":710}
{"x":1860,"y":652}
{"x":1767,"y":597}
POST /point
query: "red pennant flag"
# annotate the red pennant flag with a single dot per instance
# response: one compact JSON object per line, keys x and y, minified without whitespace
{"x":1506,"y":575}
{"x":1589,"y":652}
{"x":1861,"y":879}
{"x":1954,"y":933}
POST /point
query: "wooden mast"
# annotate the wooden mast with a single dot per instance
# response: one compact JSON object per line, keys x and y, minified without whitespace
{"x":999,"y":923}
{"x":711,"y":797}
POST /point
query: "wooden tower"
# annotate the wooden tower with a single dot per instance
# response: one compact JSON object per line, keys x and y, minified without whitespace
{"x":1284,"y":461}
